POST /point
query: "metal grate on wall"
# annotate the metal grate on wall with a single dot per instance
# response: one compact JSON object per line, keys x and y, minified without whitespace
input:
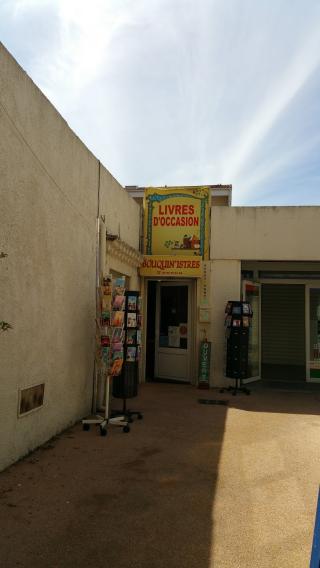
{"x":30,"y":399}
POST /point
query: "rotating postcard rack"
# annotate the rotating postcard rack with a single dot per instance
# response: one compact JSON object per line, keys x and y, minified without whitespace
{"x":238,"y":319}
{"x":126,"y":386}
{"x":110,"y":351}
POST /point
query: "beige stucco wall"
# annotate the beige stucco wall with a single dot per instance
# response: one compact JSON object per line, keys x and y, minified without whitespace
{"x":121,"y":217}
{"x":265,"y":233}
{"x":49,"y":202}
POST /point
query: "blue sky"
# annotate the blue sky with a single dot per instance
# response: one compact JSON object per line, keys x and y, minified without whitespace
{"x":174,"y":92}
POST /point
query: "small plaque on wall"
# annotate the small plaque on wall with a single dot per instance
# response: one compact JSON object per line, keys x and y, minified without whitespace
{"x":204,"y":315}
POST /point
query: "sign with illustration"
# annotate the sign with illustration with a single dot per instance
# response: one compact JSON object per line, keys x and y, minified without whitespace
{"x":158,"y":265}
{"x":176,"y":221}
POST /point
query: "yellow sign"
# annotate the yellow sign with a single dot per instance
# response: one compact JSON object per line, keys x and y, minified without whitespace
{"x":171,"y":266}
{"x":176,"y":221}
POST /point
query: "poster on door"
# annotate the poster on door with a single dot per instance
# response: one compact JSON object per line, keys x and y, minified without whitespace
{"x":176,"y":221}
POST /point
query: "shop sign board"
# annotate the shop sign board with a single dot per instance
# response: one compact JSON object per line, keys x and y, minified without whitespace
{"x":182,"y":266}
{"x":176,"y":221}
{"x":204,"y":363}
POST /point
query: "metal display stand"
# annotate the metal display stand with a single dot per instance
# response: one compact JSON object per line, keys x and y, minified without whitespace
{"x":237,"y":323}
{"x":104,"y":420}
{"x":109,"y":353}
{"x":126,"y":386}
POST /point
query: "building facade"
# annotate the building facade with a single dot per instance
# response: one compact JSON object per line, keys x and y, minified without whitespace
{"x":65,"y":221}
{"x":265,"y":255}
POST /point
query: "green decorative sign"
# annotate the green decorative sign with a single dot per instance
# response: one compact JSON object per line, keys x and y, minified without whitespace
{"x":204,"y":363}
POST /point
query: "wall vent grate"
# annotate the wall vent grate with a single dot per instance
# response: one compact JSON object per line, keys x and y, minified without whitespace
{"x":30,"y":399}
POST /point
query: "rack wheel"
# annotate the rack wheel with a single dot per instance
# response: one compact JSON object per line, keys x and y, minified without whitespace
{"x":140,"y":416}
{"x":103,"y":431}
{"x":86,"y":427}
{"x":126,"y":429}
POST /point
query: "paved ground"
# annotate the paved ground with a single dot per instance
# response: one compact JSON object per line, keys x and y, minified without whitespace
{"x":190,"y":486}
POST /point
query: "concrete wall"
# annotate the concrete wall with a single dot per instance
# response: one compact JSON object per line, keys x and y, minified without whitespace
{"x":265,"y":233}
{"x":49,"y":202}
{"x":225,"y":285}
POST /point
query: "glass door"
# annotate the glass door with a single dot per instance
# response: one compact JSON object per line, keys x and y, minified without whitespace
{"x":173,"y":333}
{"x":251,"y":294}
{"x":313,"y":333}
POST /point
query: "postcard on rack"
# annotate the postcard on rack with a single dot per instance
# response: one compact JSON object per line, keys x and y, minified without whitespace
{"x":131,"y":354}
{"x":236,"y":323}
{"x":228,"y":308}
{"x":117,"y":346}
{"x":139,"y":320}
{"x":116,"y":367}
{"x":139,"y":304}
{"x":106,"y":303}
{"x":119,"y":286}
{"x":119,"y":303}
{"x":131,"y":320}
{"x":117,"y":319}
{"x":131,"y":336}
{"x":245,"y":321}
{"x":105,"y":318}
{"x":117,"y":334}
{"x":106,"y":354}
{"x":107,"y":284}
{"x":246,"y":308}
{"x":139,"y":336}
{"x":132,"y":303}
{"x":105,"y":340}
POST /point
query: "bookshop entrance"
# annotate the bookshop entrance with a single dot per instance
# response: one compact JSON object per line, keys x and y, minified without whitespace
{"x":169,"y":334}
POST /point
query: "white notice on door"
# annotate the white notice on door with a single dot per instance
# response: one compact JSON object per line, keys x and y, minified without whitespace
{"x":173,"y":336}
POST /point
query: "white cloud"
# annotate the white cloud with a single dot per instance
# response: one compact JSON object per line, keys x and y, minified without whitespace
{"x":284,"y":89}
{"x":173,"y":91}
